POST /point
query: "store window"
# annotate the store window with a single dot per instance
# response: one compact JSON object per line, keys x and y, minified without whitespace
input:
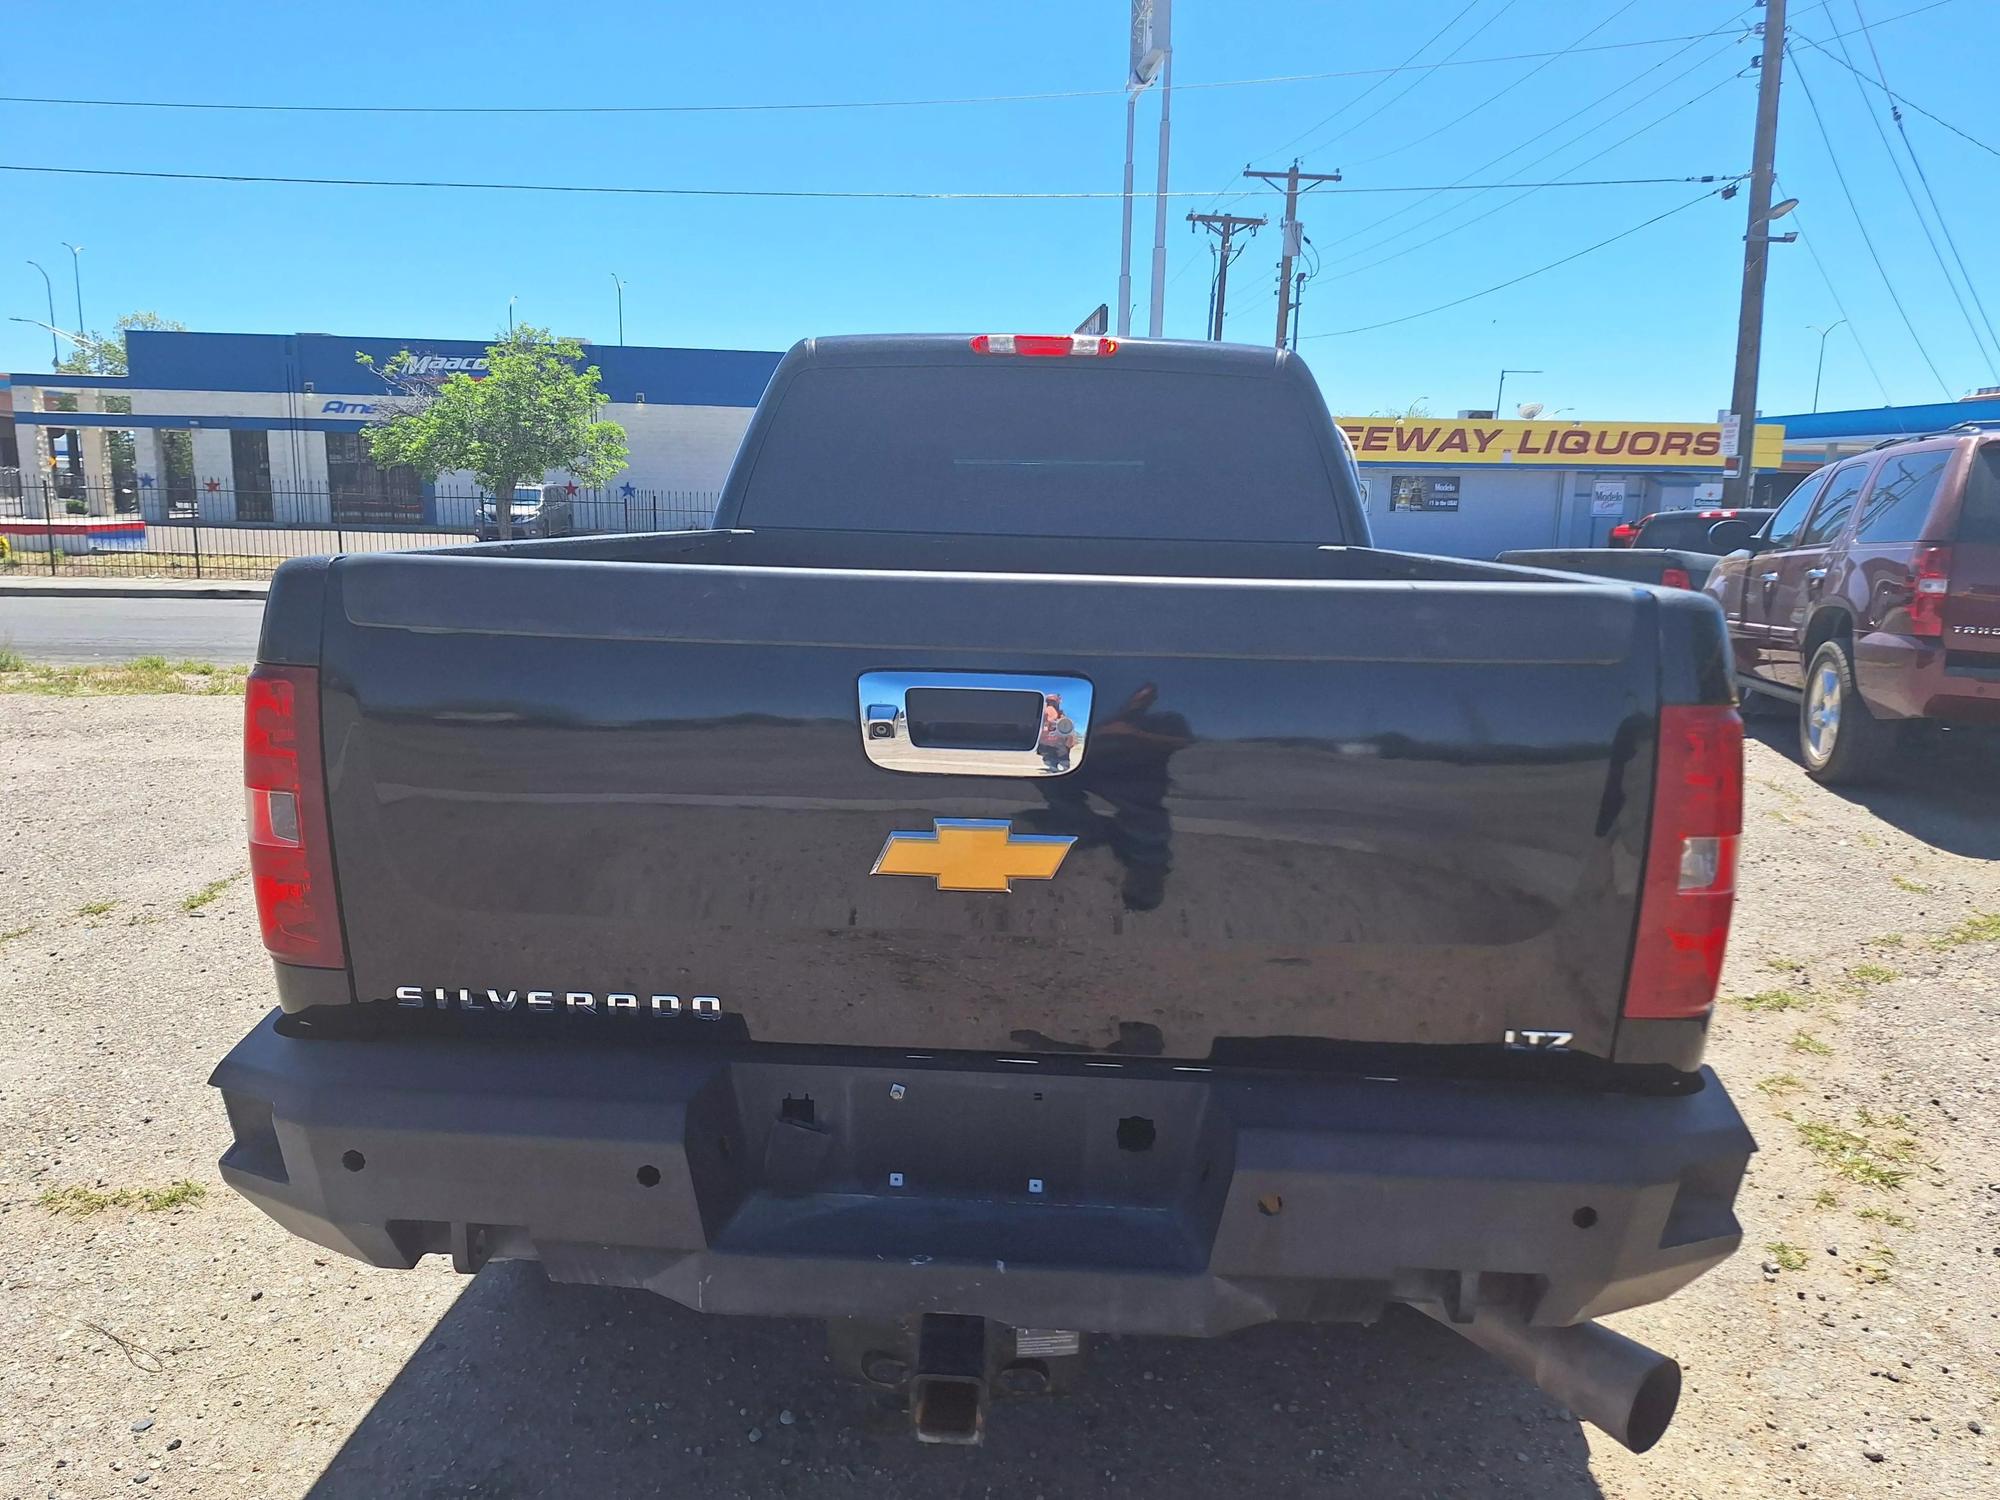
{"x":177,"y":470}
{"x":250,"y":472}
{"x":363,"y":494}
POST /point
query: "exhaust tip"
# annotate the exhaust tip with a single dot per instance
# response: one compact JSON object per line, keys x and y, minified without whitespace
{"x":946,"y":1410}
{"x":1653,"y":1406}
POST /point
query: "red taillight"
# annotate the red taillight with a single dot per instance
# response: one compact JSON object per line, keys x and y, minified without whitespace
{"x":1930,"y":581}
{"x":1675,"y":578}
{"x":291,"y":860}
{"x":1622,"y":534}
{"x":1043,"y":345}
{"x":1689,"y":886}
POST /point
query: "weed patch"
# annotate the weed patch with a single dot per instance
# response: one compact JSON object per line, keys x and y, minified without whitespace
{"x":1812,"y":1046}
{"x":80,"y":1202}
{"x":209,"y":892}
{"x":1771,"y":1000}
{"x":1787,"y":1257}
{"x":149,"y":674}
{"x":1981,"y":927}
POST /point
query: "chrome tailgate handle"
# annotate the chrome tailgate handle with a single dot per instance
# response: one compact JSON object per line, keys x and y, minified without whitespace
{"x":974,"y":723}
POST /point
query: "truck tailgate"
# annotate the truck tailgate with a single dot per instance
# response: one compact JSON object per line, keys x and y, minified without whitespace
{"x":1303,"y":810}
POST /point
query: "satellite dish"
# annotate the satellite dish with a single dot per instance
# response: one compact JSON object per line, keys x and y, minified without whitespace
{"x":1530,"y":409}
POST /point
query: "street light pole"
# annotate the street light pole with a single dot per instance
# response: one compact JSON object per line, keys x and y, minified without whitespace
{"x":49,"y":287}
{"x":1820,"y":368}
{"x":621,"y":305}
{"x":1497,"y":416}
{"x":76,"y":271}
{"x":510,"y":312}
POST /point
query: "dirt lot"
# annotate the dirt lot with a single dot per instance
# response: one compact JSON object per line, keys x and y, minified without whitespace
{"x":172,"y":1339}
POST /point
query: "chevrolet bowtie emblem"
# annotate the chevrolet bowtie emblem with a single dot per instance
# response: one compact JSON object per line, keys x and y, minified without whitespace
{"x":973,"y":854}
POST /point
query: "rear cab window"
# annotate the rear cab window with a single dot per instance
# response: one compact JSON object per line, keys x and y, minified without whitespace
{"x":1044,"y":447}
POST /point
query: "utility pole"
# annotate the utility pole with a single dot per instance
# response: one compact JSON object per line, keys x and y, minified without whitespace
{"x":620,"y":285}
{"x":1292,"y":177}
{"x":1756,"y":256}
{"x":1226,"y":226}
{"x":1820,"y":368}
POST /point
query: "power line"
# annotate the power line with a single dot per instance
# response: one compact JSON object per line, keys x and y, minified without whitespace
{"x":1423,"y":47}
{"x":1862,"y":224}
{"x":805,"y":106}
{"x":1654,"y":124}
{"x":1524,"y":276}
{"x":1415,"y":83}
{"x":1501,"y":93}
{"x":1896,"y":113}
{"x":1902,"y":99}
{"x":702,"y":192}
{"x":1903,"y":179}
{"x":1612,"y":93}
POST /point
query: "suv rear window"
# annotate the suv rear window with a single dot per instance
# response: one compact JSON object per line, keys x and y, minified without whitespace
{"x":1044,"y":447}
{"x":1900,"y":503}
{"x":1979,"y":520}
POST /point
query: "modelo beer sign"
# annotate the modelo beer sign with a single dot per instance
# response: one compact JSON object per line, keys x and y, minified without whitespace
{"x":1607,"y":445}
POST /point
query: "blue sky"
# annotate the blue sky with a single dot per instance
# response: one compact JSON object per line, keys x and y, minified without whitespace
{"x":1641,"y":328}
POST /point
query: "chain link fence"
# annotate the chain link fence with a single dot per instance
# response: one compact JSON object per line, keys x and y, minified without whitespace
{"x":222,"y":533}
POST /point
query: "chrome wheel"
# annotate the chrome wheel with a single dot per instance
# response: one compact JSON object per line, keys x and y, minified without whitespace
{"x":1823,"y":711}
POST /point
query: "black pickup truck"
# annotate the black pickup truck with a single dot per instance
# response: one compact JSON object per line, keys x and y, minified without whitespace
{"x":1031,"y":870}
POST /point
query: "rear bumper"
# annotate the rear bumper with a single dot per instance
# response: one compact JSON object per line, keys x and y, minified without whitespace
{"x":1112,"y":1201}
{"x":1905,"y":678}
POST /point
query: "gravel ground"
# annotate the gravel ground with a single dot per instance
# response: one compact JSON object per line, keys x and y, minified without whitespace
{"x":197,"y":1350}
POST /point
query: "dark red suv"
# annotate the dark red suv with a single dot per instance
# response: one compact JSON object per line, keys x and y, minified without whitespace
{"x":1871,"y":599}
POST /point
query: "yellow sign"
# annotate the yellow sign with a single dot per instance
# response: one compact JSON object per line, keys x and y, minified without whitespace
{"x":1571,"y":445}
{"x":973,"y":854}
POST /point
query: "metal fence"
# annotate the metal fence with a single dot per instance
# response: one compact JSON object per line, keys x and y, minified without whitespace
{"x":244,"y":534}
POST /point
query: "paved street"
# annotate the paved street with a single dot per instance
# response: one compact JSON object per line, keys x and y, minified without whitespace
{"x":62,"y":630}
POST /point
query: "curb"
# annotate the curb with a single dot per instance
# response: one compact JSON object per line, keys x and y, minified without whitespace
{"x":137,"y":589}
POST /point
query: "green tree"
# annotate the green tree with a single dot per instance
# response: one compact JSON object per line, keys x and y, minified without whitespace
{"x":533,"y":411}
{"x":97,"y":354}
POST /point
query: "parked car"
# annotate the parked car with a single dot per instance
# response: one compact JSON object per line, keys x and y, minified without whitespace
{"x":539,"y":511}
{"x":1668,"y":569}
{"x":1680,"y":530}
{"x":706,"y":912}
{"x":1871,"y":598}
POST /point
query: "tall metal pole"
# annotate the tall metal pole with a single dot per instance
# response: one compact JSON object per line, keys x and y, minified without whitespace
{"x":1156,"y":324}
{"x":1756,"y":256}
{"x":49,"y":287}
{"x":76,"y":270}
{"x":621,"y":305}
{"x":1820,"y":368}
{"x":1125,"y":246}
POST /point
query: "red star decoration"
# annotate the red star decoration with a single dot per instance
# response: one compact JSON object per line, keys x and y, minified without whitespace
{"x":212,"y":485}
{"x":570,"y":489}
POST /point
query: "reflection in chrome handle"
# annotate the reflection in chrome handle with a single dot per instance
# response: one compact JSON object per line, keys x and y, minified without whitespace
{"x":1767,"y":578}
{"x":885,"y":724}
{"x":1815,"y":577}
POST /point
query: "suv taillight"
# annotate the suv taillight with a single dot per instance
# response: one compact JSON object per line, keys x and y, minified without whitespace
{"x":1689,"y":887}
{"x":1930,"y":581}
{"x":1623,"y":533}
{"x":291,"y":856}
{"x":1676,"y":578}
